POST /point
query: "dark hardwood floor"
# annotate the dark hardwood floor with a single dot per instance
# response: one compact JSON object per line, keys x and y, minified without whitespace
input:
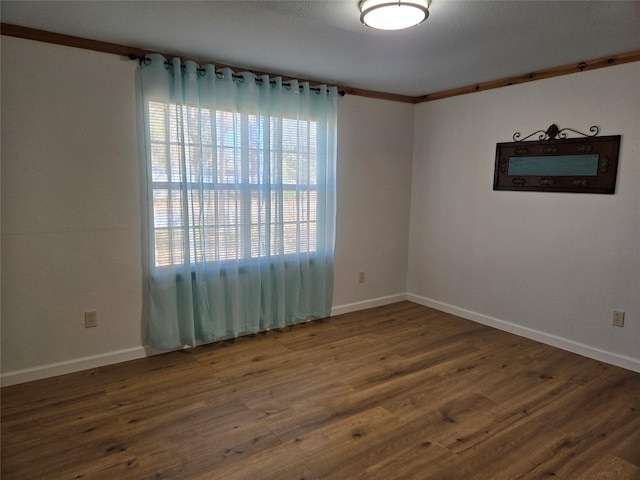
{"x":396,"y":392}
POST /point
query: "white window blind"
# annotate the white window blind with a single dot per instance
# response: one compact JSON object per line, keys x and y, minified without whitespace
{"x":230,"y":186}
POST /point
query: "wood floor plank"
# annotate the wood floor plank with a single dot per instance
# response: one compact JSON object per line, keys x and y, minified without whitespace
{"x":394,"y":392}
{"x":612,"y":468}
{"x":281,"y":462}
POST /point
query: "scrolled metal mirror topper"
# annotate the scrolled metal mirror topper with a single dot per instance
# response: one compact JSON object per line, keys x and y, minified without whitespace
{"x":553,"y":133}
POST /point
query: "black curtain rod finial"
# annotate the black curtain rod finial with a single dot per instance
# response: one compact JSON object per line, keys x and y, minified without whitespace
{"x":141,"y":59}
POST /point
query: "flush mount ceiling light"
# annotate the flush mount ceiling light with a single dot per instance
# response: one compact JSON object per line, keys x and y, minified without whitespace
{"x":393,"y":14}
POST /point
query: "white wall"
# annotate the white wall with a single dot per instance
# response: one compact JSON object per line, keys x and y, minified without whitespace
{"x":71,"y":216}
{"x":375,"y":147}
{"x":550,"y":266}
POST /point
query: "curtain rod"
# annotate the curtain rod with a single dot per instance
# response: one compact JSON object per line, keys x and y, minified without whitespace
{"x":201,"y":71}
{"x":28,"y":33}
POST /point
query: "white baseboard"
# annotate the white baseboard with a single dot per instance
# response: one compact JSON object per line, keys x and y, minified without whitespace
{"x":94,"y":361}
{"x":71,"y":366}
{"x":375,"y":302}
{"x":85,"y":363}
{"x":546,"y":338}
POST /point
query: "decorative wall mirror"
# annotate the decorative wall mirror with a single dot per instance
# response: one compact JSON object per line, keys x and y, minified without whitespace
{"x":555,"y":163}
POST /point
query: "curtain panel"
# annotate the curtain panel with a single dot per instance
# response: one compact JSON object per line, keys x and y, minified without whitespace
{"x":239,"y":201}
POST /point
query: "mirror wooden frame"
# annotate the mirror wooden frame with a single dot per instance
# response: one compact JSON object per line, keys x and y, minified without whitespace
{"x":575,"y":165}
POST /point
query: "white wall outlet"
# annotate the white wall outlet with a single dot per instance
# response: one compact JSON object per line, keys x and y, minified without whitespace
{"x":618,"y":318}
{"x":90,"y":319}
{"x":361,"y":277}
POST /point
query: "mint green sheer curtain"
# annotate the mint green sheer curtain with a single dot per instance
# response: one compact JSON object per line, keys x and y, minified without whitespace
{"x":239,"y":201}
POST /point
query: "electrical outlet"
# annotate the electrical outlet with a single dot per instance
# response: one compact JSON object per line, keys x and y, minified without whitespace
{"x":618,"y":318}
{"x":90,"y":319}
{"x":361,"y":277}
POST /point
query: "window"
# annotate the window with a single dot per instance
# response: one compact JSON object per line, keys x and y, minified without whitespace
{"x":230,"y":186}
{"x":239,"y":201}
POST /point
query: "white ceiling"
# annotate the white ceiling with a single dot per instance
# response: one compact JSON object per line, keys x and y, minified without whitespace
{"x":463,"y":42}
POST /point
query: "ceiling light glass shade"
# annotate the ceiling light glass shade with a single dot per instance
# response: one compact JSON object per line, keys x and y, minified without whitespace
{"x":393,"y":15}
